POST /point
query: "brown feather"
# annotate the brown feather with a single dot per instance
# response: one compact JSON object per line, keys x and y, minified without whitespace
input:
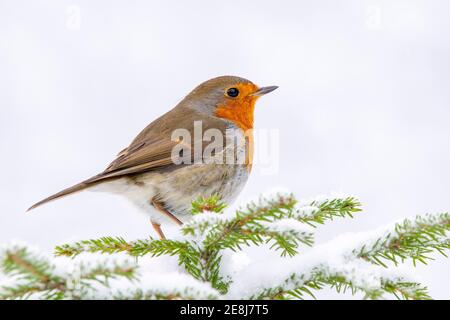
{"x":76,"y":188}
{"x":150,"y":150}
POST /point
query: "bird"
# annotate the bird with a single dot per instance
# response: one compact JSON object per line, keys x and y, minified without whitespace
{"x":156,"y":171}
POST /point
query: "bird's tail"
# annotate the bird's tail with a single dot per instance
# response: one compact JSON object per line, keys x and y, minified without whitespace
{"x":76,"y":188}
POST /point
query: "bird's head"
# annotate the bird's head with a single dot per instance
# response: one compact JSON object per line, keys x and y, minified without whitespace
{"x":227,"y":97}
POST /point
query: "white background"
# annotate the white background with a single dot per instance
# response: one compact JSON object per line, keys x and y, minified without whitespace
{"x":362,"y":108}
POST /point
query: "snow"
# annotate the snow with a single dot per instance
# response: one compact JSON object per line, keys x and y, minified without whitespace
{"x":234,"y":262}
{"x":333,"y":257}
{"x":306,"y":211}
{"x":386,"y":140}
{"x":149,"y":277}
{"x":286,"y":226}
{"x":330,"y":258}
{"x":165,"y":283}
{"x":206,"y":218}
{"x":321,"y":199}
{"x":250,"y":273}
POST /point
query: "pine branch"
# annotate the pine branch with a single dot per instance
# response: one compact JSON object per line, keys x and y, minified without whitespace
{"x":210,"y":204}
{"x":34,"y":274}
{"x":233,"y":233}
{"x":188,"y":256}
{"x":140,"y":294}
{"x":21,"y":262}
{"x":31,"y":271}
{"x":322,"y":209}
{"x":142,"y":285}
{"x":281,"y":223}
{"x":409,"y":239}
{"x":156,"y":286}
{"x":260,"y":223}
{"x":102,"y":274}
{"x":25,"y":291}
{"x":249,"y":226}
{"x":284,"y":235}
{"x":108,"y":245}
{"x":374,"y":286}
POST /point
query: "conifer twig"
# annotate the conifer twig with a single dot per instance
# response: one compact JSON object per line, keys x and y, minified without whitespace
{"x":409,"y":239}
{"x":98,"y":268}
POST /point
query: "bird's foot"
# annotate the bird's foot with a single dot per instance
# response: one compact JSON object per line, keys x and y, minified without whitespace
{"x":158,"y":230}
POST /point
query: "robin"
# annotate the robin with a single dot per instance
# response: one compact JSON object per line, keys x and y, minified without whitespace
{"x":163,"y":182}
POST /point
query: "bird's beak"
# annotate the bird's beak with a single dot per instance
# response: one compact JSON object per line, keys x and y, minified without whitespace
{"x":263,"y":90}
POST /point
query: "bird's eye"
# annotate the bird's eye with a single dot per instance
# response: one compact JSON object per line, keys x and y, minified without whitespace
{"x":233,"y":92}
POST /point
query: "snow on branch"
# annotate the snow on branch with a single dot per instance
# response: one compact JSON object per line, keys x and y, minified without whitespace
{"x":329,"y":265}
{"x":351,"y":276}
{"x":409,"y":239}
{"x":114,"y":268}
{"x":33,"y":275}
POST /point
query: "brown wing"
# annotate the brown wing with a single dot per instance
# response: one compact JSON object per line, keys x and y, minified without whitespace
{"x":150,"y":150}
{"x":148,"y":156}
{"x":152,"y":154}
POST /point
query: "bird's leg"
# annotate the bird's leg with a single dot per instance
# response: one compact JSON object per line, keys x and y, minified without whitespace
{"x":158,"y":230}
{"x":163,"y":210}
{"x":158,"y":206}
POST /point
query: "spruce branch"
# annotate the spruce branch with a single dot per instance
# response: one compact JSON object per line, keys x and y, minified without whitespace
{"x":318,"y":211}
{"x":266,"y":221}
{"x":208,"y":204}
{"x":285,"y":235}
{"x":139,"y":294}
{"x":169,"y":286}
{"x":108,"y":245}
{"x":410,"y":239}
{"x":85,"y":277}
{"x":101,"y":269}
{"x":249,"y":225}
{"x":34,"y":274}
{"x":31,"y":271}
{"x":188,"y":256}
{"x":111,"y":245}
{"x":21,"y":262}
{"x":373,"y":285}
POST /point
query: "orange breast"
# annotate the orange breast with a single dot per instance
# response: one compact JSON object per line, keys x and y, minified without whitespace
{"x":240,"y":112}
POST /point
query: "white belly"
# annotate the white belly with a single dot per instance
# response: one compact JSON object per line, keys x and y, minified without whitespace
{"x":177,"y":188}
